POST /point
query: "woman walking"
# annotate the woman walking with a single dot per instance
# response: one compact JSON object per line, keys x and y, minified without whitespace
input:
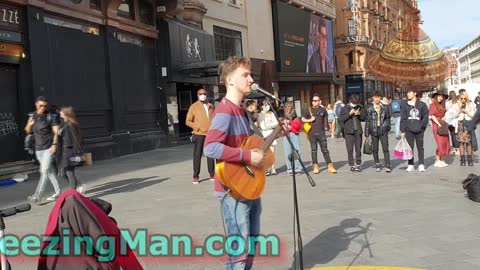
{"x":464,"y":111}
{"x":437,"y":114}
{"x":69,"y":139}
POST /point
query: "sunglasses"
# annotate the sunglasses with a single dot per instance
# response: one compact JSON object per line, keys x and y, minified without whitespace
{"x":315,"y":100}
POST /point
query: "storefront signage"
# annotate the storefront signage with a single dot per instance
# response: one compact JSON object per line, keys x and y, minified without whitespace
{"x":11,"y":49}
{"x":361,"y":40}
{"x":192,"y":44}
{"x":10,"y":36}
{"x":10,"y":17}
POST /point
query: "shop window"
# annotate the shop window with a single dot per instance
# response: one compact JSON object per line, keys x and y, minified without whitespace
{"x":227,"y":43}
{"x":146,"y":11}
{"x":96,"y":4}
{"x":351,"y":27}
{"x":350,"y":59}
{"x":126,"y":10}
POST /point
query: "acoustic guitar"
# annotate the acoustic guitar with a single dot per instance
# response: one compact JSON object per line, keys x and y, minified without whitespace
{"x":247,"y":181}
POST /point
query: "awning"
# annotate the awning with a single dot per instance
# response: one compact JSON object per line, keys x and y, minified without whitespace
{"x":201,"y":69}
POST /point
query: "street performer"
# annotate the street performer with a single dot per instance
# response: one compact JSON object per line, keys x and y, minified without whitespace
{"x":230,"y":126}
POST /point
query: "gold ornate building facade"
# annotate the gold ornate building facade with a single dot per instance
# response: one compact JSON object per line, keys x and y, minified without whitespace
{"x":364,"y":28}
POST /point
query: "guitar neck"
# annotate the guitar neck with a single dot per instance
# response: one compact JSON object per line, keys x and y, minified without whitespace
{"x":270,"y":138}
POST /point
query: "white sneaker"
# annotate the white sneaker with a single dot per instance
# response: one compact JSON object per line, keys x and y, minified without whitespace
{"x":53,"y":198}
{"x":421,"y":168}
{"x":442,"y":164}
{"x":410,"y":168}
{"x":437,"y":163}
{"x":81,"y":189}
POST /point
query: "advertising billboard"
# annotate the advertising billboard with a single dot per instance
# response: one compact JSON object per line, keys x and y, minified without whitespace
{"x":304,"y":41}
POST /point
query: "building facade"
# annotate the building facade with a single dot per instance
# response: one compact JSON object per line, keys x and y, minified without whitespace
{"x":305,"y":51}
{"x":453,"y":79}
{"x":99,"y":57}
{"x":363,"y":28}
{"x":469,"y":59}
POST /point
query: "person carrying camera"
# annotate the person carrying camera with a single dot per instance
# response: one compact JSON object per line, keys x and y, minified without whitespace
{"x":350,"y":118}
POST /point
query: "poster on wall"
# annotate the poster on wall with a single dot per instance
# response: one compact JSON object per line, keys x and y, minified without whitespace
{"x":304,"y":40}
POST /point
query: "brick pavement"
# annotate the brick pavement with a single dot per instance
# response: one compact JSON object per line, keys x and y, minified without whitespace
{"x":420,"y":220}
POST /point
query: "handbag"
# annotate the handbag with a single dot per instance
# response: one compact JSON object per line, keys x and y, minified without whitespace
{"x":78,"y":159}
{"x":443,"y":129}
{"x":367,"y":147}
{"x":472,"y":185}
{"x":307,"y":127}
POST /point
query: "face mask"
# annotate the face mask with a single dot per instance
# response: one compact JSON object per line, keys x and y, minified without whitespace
{"x":266,"y":108}
{"x":202,"y":97}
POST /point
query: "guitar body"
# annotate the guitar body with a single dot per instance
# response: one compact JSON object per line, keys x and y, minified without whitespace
{"x":237,"y":177}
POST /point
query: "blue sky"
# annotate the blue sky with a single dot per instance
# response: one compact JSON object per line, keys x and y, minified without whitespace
{"x":451,"y":23}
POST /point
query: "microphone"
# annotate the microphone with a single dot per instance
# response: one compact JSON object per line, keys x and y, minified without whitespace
{"x":257,"y":88}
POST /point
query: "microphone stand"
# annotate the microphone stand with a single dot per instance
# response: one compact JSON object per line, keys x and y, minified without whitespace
{"x":294,"y":155}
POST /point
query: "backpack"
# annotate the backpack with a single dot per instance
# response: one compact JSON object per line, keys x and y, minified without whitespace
{"x":338,"y":109}
{"x":472,"y":185}
{"x":396,"y":106}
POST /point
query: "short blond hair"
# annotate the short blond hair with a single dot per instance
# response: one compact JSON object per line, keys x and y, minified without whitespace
{"x":229,"y":65}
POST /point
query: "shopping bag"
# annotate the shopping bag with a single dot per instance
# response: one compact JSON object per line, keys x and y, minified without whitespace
{"x":402,"y":150}
{"x":367,"y":147}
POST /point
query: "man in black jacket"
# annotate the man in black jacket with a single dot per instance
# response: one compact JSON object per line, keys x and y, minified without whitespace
{"x":377,"y":124}
{"x":350,"y":118}
{"x":414,"y":121}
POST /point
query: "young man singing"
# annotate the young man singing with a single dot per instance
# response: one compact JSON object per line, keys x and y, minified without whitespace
{"x":230,"y":126}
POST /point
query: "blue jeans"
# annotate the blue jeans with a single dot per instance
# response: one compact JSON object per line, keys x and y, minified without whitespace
{"x":288,"y":151}
{"x":242,"y":219}
{"x":47,"y":172}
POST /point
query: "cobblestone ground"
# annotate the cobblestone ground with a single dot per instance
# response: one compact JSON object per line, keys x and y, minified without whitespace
{"x":418,"y":220}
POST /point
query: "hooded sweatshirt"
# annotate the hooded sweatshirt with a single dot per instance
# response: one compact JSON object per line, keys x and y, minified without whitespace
{"x":414,"y":118}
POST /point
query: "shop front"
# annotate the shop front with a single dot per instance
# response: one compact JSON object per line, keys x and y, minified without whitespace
{"x":187,"y":52}
{"x":13,"y":83}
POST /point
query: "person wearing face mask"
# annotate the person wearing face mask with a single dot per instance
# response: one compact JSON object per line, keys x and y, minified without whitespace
{"x":267,"y":123}
{"x":351,"y":117}
{"x":199,"y":118}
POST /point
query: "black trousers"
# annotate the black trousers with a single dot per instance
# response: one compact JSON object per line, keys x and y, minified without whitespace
{"x":199,"y":141}
{"x":417,"y":138}
{"x":453,"y":137}
{"x":383,"y":139}
{"x":354,"y":140}
{"x":72,"y":178}
{"x":319,"y":138}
